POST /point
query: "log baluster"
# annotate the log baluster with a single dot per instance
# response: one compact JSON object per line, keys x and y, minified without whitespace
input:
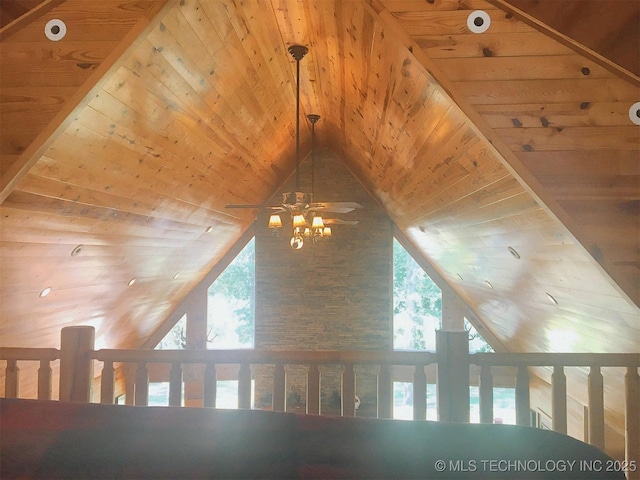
{"x":348,"y":391}
{"x":107,"y":383}
{"x":596,"y":407}
{"x":210,"y":385}
{"x":419,"y":393}
{"x":486,"y":394}
{"x":12,"y":379}
{"x":522,"y":396}
{"x":44,"y":380}
{"x":632,"y":421}
{"x":142,"y":384}
{"x":279,"y":387}
{"x":175,"y":385}
{"x":244,"y":386}
{"x":385,"y":392}
{"x":559,"y":399}
{"x":313,"y":389}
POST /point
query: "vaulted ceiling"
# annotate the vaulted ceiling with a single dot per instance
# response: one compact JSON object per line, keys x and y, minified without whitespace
{"x":122,"y":142}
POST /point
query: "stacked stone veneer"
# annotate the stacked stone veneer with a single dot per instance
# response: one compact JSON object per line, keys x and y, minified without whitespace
{"x":334,"y":295}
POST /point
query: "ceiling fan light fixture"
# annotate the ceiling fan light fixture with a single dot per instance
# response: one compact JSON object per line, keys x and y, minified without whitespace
{"x":299,"y":221}
{"x":275,"y":221}
{"x":317,"y":223}
{"x":300,"y":205}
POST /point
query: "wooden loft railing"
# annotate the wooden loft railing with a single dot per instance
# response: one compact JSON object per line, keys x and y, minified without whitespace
{"x":77,"y":356}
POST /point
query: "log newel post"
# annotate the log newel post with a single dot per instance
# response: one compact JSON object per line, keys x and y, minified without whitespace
{"x":107,"y":383}
{"x":596,"y":407}
{"x":76,"y":363}
{"x":313,"y":389}
{"x":452,"y":348}
{"x":12,"y":379}
{"x":486,"y":394}
{"x":279,"y":388}
{"x":632,"y":421}
{"x":385,"y":392}
{"x":419,"y":393}
{"x":523,"y":417}
{"x":348,"y":391}
{"x":559,"y":399}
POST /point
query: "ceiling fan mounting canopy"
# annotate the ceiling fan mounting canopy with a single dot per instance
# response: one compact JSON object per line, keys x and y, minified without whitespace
{"x":298,"y":51}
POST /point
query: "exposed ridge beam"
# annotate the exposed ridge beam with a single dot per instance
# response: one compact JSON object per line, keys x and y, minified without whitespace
{"x":28,"y":17}
{"x":82,"y":96}
{"x":567,"y":41}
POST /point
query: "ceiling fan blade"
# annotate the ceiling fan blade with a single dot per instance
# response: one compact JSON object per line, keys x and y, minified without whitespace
{"x":335,"y":207}
{"x":277,"y":208}
{"x":244,"y":206}
{"x":339,"y":221}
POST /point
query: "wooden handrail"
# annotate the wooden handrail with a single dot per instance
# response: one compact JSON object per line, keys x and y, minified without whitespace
{"x":291,"y":357}
{"x":29,"y":354}
{"x":544,"y":359}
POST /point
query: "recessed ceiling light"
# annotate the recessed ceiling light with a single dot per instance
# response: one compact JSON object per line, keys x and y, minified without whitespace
{"x":634,"y":113}
{"x":176,"y":275}
{"x":552,"y":299}
{"x":459,"y":276}
{"x":488,"y":284}
{"x":131,"y":282}
{"x":45,"y":292}
{"x":55,"y":29}
{"x":513,"y":252}
{"x":76,"y":250}
{"x":209,"y":229}
{"x":478,"y":21}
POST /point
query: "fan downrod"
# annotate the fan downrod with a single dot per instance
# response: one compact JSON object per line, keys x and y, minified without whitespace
{"x":298,"y":51}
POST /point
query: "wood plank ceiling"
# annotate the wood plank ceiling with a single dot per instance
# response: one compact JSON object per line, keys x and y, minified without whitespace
{"x":125,"y":139}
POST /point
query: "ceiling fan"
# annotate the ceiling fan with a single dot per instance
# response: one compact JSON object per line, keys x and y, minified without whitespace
{"x":306,"y":215}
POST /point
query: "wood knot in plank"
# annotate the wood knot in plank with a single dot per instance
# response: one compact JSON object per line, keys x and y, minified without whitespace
{"x":486,"y":51}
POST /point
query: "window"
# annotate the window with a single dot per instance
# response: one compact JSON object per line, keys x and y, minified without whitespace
{"x":476,"y":342}
{"x":417,"y":304}
{"x":231,"y":303}
{"x":230,"y":324}
{"x":176,"y":338}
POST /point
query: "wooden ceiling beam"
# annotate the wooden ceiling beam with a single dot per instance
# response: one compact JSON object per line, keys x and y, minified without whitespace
{"x":584,"y":40}
{"x":26,"y":18}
